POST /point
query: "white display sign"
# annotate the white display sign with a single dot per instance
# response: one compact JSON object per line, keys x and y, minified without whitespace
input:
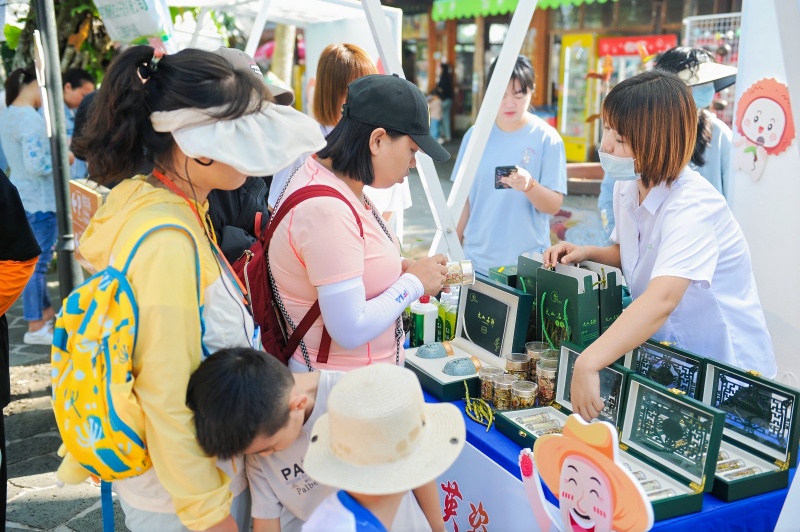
{"x":136,"y":21}
{"x":467,"y":504}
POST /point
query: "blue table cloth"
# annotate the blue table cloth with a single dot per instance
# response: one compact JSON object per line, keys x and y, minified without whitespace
{"x":759,"y":513}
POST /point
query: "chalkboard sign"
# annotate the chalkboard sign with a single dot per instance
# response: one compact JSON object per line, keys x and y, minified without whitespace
{"x":485,"y":321}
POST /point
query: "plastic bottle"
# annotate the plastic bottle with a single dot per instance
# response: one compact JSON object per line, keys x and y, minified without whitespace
{"x":450,"y":317}
{"x":423,"y":318}
{"x":444,"y":303}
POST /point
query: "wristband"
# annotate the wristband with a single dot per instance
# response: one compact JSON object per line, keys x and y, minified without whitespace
{"x":529,"y":186}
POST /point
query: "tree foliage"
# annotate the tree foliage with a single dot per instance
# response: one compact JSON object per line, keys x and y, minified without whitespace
{"x":82,"y":38}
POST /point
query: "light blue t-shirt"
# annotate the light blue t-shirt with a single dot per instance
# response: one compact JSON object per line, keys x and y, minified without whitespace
{"x":23,"y":135}
{"x":503,"y":223}
{"x":717,"y":156}
{"x":78,"y":169}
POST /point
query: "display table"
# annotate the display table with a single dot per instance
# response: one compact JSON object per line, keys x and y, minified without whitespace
{"x":755,"y":513}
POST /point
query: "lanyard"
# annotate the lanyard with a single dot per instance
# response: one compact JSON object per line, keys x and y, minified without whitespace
{"x":211,"y":237}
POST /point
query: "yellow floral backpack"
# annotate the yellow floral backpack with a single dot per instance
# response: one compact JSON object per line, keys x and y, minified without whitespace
{"x":92,"y":374}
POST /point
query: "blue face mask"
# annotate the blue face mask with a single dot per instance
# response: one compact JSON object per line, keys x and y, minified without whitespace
{"x":618,"y":168}
{"x":703,"y":95}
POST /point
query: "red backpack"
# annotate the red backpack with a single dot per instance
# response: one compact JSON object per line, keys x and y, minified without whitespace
{"x":253,"y":269}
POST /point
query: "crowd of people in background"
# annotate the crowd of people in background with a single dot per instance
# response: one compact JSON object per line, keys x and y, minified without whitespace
{"x":200,"y":154}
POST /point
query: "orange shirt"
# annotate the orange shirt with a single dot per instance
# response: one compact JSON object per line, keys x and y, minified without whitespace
{"x":14,"y":276}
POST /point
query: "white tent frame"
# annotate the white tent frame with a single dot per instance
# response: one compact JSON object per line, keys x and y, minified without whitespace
{"x":444,"y":211}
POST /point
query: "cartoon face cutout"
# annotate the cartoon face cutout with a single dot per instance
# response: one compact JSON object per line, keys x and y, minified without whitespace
{"x":764,"y":122}
{"x":585,"y":501}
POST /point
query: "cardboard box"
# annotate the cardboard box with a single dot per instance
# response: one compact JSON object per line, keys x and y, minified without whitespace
{"x":506,"y":275}
{"x":528,"y":266}
{"x":487,"y":328}
{"x":568,"y":305}
{"x":610,"y":294}
{"x":760,"y":430}
{"x":673,"y":441}
{"x":512,"y":423}
{"x":668,"y":366}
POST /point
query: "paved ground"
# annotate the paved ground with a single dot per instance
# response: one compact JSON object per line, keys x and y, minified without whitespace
{"x":35,"y":502}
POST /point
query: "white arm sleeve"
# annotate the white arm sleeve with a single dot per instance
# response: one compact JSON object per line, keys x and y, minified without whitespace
{"x":353,"y":321}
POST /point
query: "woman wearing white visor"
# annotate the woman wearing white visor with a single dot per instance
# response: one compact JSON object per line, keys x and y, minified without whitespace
{"x":206,"y":123}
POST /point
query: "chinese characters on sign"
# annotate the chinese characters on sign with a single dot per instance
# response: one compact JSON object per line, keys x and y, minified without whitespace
{"x":478,"y":517}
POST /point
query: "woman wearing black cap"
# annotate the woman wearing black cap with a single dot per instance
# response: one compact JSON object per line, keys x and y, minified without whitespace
{"x":317,"y":253}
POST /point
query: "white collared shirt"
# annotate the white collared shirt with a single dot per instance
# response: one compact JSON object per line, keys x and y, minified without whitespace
{"x":687,"y":231}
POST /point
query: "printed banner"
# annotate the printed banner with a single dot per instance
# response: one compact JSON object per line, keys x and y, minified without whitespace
{"x":137,"y":21}
{"x":467,"y":504}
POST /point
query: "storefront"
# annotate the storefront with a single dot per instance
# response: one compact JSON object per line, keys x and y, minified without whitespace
{"x":468,"y":34}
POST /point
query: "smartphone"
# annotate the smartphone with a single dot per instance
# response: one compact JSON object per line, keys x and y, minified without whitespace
{"x":502,"y":171}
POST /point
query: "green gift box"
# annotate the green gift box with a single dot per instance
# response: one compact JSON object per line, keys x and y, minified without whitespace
{"x":525,"y":426}
{"x":760,"y":435}
{"x":528,"y":266}
{"x":506,"y":275}
{"x":568,"y":305}
{"x":668,"y":366}
{"x":610,"y":294}
{"x":487,"y":330}
{"x":670,"y":442}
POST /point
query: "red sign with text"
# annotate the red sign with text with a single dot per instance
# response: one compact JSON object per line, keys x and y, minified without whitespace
{"x":653,"y":44}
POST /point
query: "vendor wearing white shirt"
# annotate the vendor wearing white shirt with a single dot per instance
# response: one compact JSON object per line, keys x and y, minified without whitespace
{"x":681,"y":250}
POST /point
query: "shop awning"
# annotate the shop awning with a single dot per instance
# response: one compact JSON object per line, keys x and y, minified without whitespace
{"x":453,"y":9}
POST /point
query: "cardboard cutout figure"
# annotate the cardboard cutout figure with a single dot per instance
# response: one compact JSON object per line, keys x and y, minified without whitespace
{"x":764,"y":119}
{"x":596,"y":493}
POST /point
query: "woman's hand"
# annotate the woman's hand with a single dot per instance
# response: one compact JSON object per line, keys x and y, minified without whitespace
{"x":520,"y":179}
{"x":585,"y":396}
{"x":431,"y":272}
{"x":564,"y":253}
{"x":407,"y":264}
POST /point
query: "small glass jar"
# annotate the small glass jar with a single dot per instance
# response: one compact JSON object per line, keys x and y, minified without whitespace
{"x":518,"y":364}
{"x":487,"y":375}
{"x":546,"y":373}
{"x":523,"y":395}
{"x":534,"y":351}
{"x":460,"y":273}
{"x":502,"y":391}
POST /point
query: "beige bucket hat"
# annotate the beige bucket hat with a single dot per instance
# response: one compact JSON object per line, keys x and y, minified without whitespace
{"x":379,"y":437}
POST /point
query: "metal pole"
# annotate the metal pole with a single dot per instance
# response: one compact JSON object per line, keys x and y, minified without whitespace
{"x":69,"y":274}
{"x":520,"y":22}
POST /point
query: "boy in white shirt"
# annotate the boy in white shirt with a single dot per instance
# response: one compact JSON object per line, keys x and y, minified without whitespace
{"x":246,"y":401}
{"x":378,"y":440}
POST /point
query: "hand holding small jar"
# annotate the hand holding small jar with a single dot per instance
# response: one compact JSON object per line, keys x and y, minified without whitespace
{"x":431,"y":272}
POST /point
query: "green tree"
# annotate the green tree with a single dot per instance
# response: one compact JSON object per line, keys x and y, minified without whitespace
{"x":82,"y":38}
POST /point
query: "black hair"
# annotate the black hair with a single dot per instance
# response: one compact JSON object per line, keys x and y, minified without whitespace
{"x":523,"y":73}
{"x":119,"y":138}
{"x":76,"y":77}
{"x":677,"y":60}
{"x":681,"y":58}
{"x":16,"y":80}
{"x":236,"y":395}
{"x":348,"y":149}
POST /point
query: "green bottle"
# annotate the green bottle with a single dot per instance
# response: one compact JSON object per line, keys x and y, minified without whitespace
{"x":443,"y":304}
{"x":450,"y":317}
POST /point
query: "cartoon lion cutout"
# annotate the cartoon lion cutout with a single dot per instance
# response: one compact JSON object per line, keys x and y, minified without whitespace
{"x":764,"y":119}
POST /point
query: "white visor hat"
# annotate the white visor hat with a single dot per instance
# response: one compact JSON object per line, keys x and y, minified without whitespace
{"x":256,"y":144}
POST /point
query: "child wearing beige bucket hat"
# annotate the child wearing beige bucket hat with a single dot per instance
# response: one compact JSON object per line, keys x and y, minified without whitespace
{"x":378,"y":440}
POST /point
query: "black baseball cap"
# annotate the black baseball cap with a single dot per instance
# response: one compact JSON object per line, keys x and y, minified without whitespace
{"x":392,"y":102}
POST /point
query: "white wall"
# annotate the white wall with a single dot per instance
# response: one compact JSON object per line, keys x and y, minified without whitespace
{"x":769,"y":209}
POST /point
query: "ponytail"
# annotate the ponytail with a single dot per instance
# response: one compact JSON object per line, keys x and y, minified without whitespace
{"x":703,"y":137}
{"x":16,"y":80}
{"x":119,"y":139}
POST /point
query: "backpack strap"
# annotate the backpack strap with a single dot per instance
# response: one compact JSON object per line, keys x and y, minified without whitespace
{"x":147,"y":232}
{"x":294,"y":199}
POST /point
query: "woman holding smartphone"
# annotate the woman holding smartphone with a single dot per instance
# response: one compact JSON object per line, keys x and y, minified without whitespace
{"x":521,"y":180}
